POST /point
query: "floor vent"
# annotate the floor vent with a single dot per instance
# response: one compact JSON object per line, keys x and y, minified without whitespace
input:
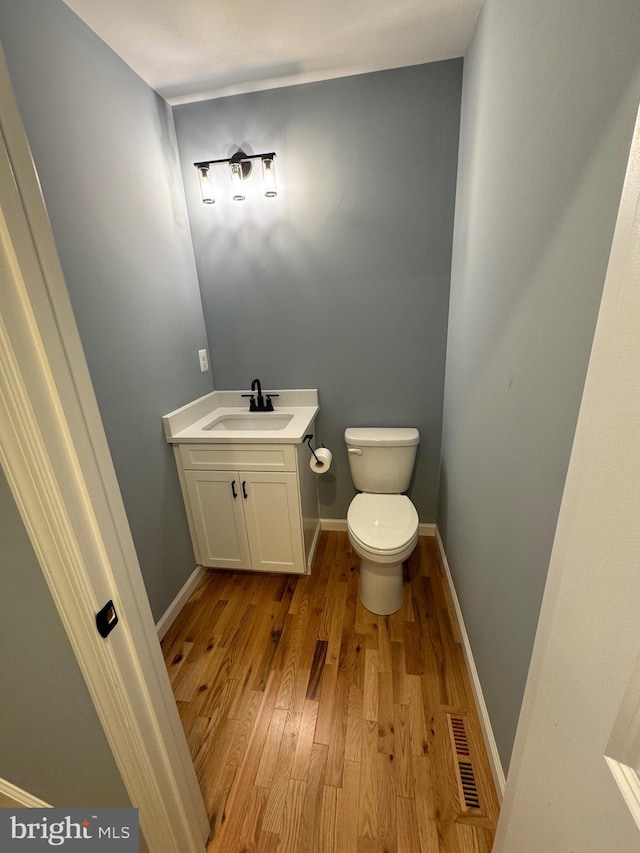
{"x":470,"y":794}
{"x":467,"y":786}
{"x":459,"y":734}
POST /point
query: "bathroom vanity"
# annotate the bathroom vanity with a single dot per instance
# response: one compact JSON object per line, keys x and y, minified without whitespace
{"x":250,"y":495}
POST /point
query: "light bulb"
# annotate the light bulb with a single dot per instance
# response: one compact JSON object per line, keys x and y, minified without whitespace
{"x":236,"y":181}
{"x":269,"y":177}
{"x":206,"y":186}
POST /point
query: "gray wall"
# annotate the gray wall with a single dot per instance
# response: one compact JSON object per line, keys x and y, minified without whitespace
{"x":549,"y":99}
{"x":342,"y":282}
{"x":51,"y":742}
{"x":104,"y":147}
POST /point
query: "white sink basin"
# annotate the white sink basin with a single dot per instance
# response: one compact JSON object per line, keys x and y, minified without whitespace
{"x":223,"y":417}
{"x":257,"y":421}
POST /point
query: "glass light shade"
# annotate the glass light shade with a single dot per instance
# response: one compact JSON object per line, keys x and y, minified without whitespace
{"x":269,"y":177}
{"x":236,"y":181}
{"x":206,"y":185}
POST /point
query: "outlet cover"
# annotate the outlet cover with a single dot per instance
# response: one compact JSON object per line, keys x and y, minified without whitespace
{"x":204,"y":360}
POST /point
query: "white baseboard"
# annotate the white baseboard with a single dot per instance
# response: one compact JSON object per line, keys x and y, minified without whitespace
{"x":171,"y":613}
{"x":314,"y":545}
{"x":338,"y":524}
{"x":485,"y":722}
{"x":24,"y":799}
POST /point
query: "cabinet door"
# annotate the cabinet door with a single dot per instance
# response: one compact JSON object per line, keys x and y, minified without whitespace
{"x":218,"y":518}
{"x":274,"y":524}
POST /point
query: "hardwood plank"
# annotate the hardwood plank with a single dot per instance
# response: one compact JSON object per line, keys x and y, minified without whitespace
{"x":386,"y":729}
{"x":304,"y":744}
{"x":387,"y":817}
{"x":423,"y":776}
{"x":335,"y":762}
{"x":216,"y":693}
{"x":271,"y":749}
{"x":274,"y":812}
{"x":370,"y":696}
{"x":332,"y":827}
{"x":299,"y":695}
{"x":195,"y":616}
{"x":311,"y":635}
{"x":384,"y":645}
{"x":366,"y":623}
{"x":467,"y":839}
{"x":258,"y":590}
{"x":239,"y":645}
{"x":317,"y":667}
{"x":408,"y":832}
{"x":189,"y":678}
{"x":403,"y":758}
{"x":249,"y":835}
{"x":215,"y":792}
{"x":418,"y":725}
{"x":268,"y":843}
{"x":301,"y":592}
{"x":292,"y":816}
{"x":352,"y":656}
{"x":350,"y":803}
{"x":292,"y":646}
{"x":245,"y":723}
{"x":336,"y":609}
{"x":353,"y":736}
{"x":204,"y":631}
{"x":400,"y":679}
{"x":179,"y":654}
{"x":198,"y":735}
{"x":309,"y":832}
{"x":326,"y":699}
{"x":267,"y":639}
{"x":368,"y":804}
{"x":412,"y":651}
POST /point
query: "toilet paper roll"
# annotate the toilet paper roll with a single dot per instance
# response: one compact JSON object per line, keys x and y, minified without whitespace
{"x":322,"y":464}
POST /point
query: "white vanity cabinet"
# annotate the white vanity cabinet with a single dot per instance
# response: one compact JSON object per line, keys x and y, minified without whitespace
{"x":250,"y":506}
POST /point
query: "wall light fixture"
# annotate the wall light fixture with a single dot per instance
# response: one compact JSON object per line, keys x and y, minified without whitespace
{"x":240,"y":167}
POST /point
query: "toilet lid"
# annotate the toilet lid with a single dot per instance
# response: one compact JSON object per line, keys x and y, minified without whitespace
{"x":382,"y":522}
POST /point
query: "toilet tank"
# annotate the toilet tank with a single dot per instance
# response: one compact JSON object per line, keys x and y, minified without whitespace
{"x":381,"y":458}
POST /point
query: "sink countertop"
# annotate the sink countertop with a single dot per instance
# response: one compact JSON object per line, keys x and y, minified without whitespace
{"x":191,"y":423}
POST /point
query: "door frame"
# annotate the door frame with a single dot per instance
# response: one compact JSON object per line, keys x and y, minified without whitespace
{"x":56,"y":459}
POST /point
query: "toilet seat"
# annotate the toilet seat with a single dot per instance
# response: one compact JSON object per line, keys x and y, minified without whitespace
{"x":383,"y":525}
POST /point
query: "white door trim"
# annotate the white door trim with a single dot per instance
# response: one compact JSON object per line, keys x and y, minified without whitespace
{"x":19,"y":798}
{"x":56,"y":459}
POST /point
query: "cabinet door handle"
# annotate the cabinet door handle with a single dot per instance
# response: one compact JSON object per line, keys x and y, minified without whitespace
{"x":244,"y":489}
{"x":233,"y":489}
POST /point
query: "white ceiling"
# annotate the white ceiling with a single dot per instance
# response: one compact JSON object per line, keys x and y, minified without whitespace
{"x":188,"y":50}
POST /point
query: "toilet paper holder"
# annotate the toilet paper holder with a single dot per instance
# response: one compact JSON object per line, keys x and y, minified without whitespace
{"x":307,"y":440}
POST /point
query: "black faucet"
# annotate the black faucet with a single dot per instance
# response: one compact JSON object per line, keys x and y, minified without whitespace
{"x":257,"y":402}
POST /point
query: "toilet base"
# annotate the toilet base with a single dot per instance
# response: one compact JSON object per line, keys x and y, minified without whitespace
{"x":381,"y":588}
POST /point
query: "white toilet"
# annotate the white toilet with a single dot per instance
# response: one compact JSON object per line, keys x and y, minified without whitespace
{"x":382,"y":523}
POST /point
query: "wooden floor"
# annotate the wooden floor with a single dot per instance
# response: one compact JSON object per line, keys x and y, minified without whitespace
{"x":318,"y":727}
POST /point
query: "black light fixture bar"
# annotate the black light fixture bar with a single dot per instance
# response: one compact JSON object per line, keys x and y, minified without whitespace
{"x":237,"y":158}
